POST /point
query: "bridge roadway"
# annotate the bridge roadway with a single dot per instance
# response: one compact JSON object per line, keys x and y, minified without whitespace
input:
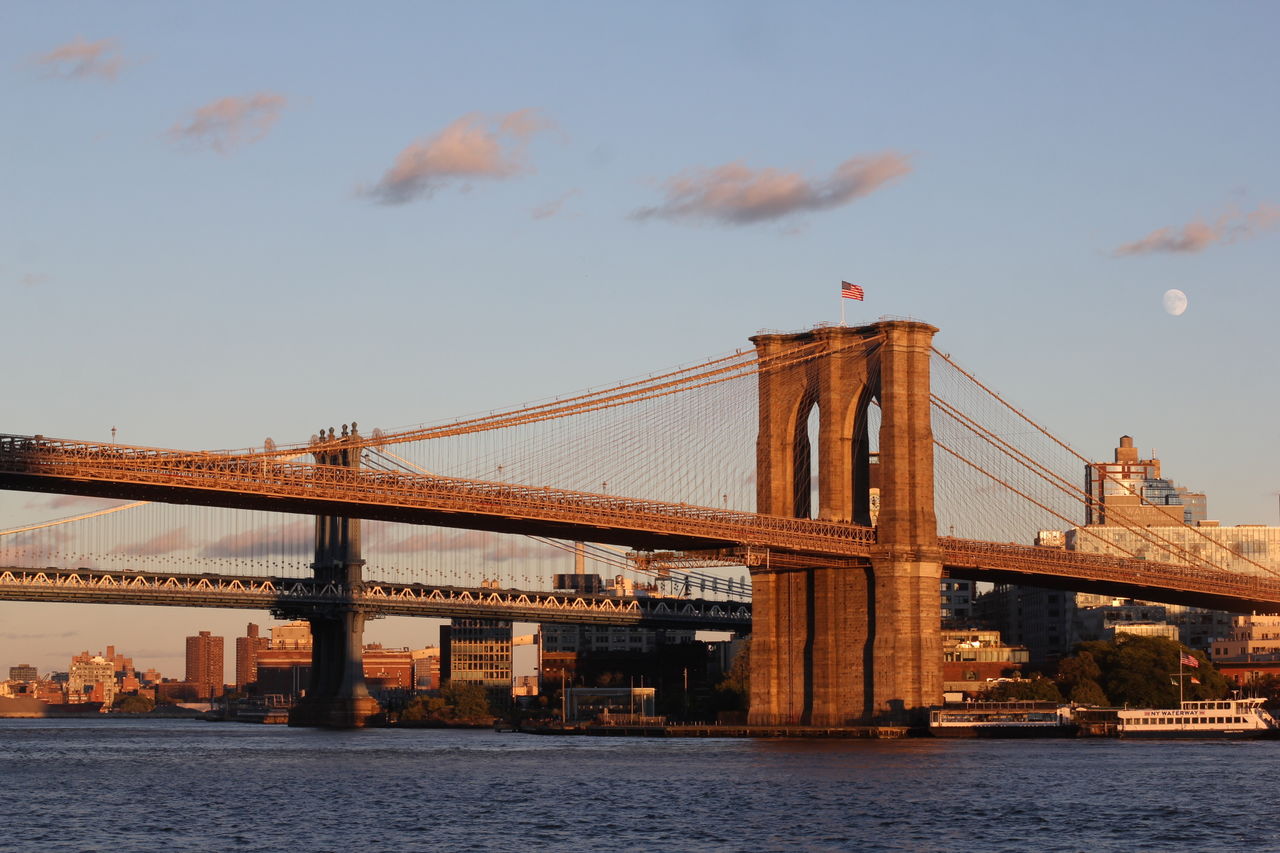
{"x":36,"y":464}
{"x":292,"y":597}
{"x":40,"y":464}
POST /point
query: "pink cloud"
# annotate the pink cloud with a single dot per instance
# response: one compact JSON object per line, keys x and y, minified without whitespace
{"x":79,"y":59}
{"x":1230,"y":227}
{"x":471,"y":147}
{"x":735,"y":194}
{"x":263,"y":541}
{"x":163,"y":543}
{"x":229,"y":122}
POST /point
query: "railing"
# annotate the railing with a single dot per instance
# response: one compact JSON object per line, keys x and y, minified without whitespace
{"x":71,"y":461}
{"x":298,"y":596}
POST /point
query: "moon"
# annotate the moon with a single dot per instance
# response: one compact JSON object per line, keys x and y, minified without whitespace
{"x":1175,"y":302}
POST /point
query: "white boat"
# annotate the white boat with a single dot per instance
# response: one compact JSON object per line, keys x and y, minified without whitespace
{"x":1003,"y":720}
{"x":1222,"y":718}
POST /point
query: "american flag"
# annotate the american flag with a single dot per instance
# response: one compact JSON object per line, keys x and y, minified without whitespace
{"x":1188,"y":660}
{"x":851,"y":291}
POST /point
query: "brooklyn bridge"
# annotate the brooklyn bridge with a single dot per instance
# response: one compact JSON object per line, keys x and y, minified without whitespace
{"x":822,"y":465}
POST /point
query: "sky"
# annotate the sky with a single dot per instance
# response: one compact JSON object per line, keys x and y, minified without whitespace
{"x":227,"y":222}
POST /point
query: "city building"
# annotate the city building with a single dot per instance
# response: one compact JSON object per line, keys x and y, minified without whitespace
{"x":477,"y":651}
{"x":247,"y":648}
{"x":23,"y":672}
{"x":570,"y":653}
{"x":1126,"y":493}
{"x":1250,"y":651}
{"x":957,"y":602}
{"x":283,"y":663}
{"x":973,"y":659}
{"x":1130,"y":490}
{"x":426,"y":668}
{"x":91,"y":679}
{"x":1250,"y":636}
{"x":205,"y":665}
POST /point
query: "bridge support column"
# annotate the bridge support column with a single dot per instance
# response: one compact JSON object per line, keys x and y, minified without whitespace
{"x":337,"y":696}
{"x":843,"y":646}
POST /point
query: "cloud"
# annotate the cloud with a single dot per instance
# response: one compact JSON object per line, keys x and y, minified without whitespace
{"x":79,"y":59}
{"x":1230,"y":227}
{"x":264,"y":541}
{"x":164,"y":543}
{"x":552,"y":208}
{"x":735,"y":194}
{"x":59,"y":636}
{"x":474,"y":146}
{"x":229,"y":122}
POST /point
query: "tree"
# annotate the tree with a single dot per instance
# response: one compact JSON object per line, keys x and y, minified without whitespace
{"x":1078,"y":679}
{"x":1037,"y":688}
{"x":1140,"y":671}
{"x":466,"y":701}
{"x":132,"y":703}
{"x":733,"y":693}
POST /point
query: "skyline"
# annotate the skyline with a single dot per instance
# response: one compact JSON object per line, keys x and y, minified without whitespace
{"x":233,"y":223}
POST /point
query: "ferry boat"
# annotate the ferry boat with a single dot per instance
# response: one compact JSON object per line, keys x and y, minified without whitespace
{"x":1003,"y":720}
{"x":1223,"y":718}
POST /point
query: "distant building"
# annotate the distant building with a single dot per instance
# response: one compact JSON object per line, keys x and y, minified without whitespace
{"x":284,"y":664}
{"x":1255,"y":635}
{"x":23,"y":672}
{"x":567,"y":651}
{"x":426,"y":668}
{"x":247,"y":648}
{"x":477,"y":651}
{"x":1248,"y":549}
{"x":205,"y":665}
{"x":1250,"y":651}
{"x":387,"y":669}
{"x":1133,"y":510}
{"x":1131,"y":491}
{"x":973,"y":659}
{"x":91,"y":679}
{"x":957,"y":602}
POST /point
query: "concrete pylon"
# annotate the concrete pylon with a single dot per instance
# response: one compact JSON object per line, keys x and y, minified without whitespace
{"x":337,"y":696}
{"x":847,"y":646}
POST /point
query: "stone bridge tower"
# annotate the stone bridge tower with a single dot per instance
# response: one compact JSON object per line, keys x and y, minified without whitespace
{"x":337,"y":696}
{"x":856,"y":645}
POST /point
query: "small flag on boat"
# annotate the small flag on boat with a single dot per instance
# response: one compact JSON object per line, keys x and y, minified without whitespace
{"x":851,"y":291}
{"x":1188,"y":660}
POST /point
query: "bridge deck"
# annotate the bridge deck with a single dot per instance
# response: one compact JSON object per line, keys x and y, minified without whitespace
{"x":212,"y":479}
{"x":285,"y":595}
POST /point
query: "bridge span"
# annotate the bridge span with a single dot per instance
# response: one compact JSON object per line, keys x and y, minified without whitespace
{"x":844,"y":614}
{"x":294,"y":597}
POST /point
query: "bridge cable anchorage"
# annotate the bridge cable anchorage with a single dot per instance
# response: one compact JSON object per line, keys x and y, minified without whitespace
{"x":1119,"y":518}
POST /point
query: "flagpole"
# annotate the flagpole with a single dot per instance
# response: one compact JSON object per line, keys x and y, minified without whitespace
{"x":841,"y":309}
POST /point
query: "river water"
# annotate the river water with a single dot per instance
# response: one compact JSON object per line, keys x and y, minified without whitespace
{"x":161,"y":785}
